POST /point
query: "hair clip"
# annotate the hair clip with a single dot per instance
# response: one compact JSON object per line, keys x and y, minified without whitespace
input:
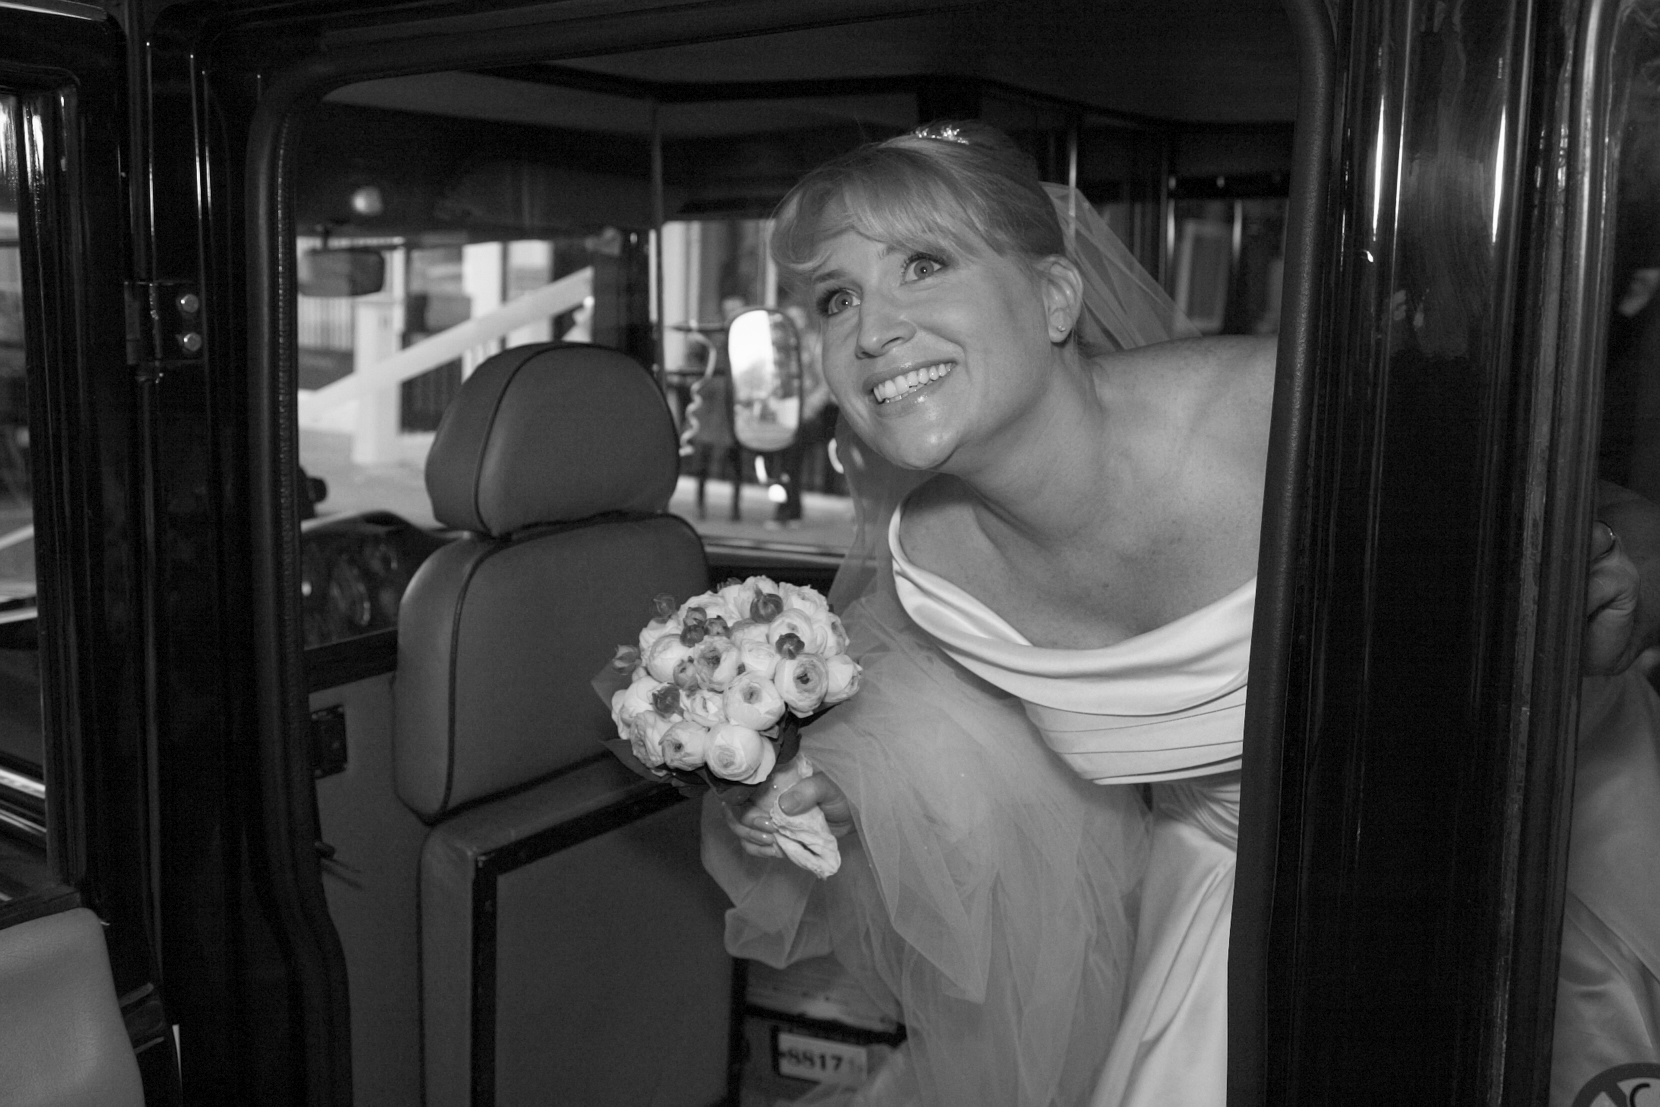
{"x":942,"y":132}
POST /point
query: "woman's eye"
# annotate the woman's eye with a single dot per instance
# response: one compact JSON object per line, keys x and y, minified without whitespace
{"x":836,"y":301}
{"x":921,"y":266}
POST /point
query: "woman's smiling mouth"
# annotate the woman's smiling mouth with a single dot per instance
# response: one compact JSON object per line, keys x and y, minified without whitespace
{"x":897,"y":388}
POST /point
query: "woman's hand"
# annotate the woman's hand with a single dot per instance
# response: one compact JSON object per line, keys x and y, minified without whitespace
{"x":754,"y":829}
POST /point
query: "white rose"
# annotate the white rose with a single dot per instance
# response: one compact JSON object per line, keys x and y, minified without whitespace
{"x":842,"y":678}
{"x":805,"y":599}
{"x":752,"y":700}
{"x":705,"y":708}
{"x":685,"y":745}
{"x":716,"y":661}
{"x":758,"y":657}
{"x":791,"y":621}
{"x":739,"y":753}
{"x":748,"y":631}
{"x":801,"y":682}
{"x":838,"y":635}
{"x":645,"y":736}
{"x":714,"y":605}
{"x":656,"y":629}
{"x":664,"y":655}
{"x":629,"y":702}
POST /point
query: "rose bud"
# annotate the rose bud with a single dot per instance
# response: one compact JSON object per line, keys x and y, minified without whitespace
{"x":739,"y":753}
{"x":685,"y":745}
{"x":714,"y":605}
{"x":705,"y":708}
{"x":666,"y":700}
{"x":767,"y":606}
{"x":793,"y":622}
{"x":801,"y":682}
{"x":694,"y":633}
{"x":758,"y":657}
{"x":693,"y":616}
{"x":645,"y":737}
{"x":842,"y":678}
{"x":752,"y":700}
{"x":790,"y":645}
{"x":664,"y":654}
{"x":717,"y":627}
{"x":664,"y":605}
{"x":626,"y":659}
{"x":685,"y":675}
{"x":716,"y":662}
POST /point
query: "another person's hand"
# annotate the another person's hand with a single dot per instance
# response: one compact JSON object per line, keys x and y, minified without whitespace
{"x":753,"y":828}
{"x":1612,"y":591}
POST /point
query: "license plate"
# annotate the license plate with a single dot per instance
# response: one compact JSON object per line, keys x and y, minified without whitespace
{"x":821,"y":1060}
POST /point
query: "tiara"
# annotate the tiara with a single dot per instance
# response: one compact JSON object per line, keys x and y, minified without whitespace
{"x":942,"y":132}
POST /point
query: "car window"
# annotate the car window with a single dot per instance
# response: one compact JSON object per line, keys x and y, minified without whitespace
{"x":445,"y":217}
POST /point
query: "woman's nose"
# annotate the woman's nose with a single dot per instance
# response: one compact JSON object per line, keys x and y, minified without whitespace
{"x":881,"y":327}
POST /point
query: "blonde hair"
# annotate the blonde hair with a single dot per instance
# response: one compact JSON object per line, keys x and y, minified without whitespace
{"x":961,"y":186}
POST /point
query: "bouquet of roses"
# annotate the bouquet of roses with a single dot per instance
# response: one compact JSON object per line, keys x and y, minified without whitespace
{"x":714,"y":693}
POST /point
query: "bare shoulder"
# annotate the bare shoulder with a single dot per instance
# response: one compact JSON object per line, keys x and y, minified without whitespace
{"x":1218,"y":390}
{"x":937,"y":530}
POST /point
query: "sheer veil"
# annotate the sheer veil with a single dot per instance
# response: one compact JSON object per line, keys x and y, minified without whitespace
{"x":989,"y":895}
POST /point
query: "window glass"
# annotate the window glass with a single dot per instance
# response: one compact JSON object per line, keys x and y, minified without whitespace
{"x":445,"y":217}
{"x":22,"y":787}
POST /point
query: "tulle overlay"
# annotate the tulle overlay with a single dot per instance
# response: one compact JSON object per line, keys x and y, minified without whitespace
{"x":988,"y":896}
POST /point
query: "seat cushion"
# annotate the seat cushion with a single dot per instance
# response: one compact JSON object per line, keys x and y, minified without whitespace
{"x":498,"y":643}
{"x":62,"y":1039}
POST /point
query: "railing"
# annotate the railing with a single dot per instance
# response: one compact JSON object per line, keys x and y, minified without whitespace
{"x":553,"y":299}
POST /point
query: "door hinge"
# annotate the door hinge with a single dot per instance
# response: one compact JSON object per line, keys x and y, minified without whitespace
{"x":164,"y":326}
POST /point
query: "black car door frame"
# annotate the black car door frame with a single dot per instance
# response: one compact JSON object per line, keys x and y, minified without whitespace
{"x":66,"y":63}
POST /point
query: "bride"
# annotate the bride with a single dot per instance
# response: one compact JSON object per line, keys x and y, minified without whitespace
{"x":1060,"y":489}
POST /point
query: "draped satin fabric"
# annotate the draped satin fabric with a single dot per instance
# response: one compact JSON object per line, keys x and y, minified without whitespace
{"x":1165,"y":707}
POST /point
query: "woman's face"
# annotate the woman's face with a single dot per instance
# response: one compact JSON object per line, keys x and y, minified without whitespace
{"x":930,"y":355}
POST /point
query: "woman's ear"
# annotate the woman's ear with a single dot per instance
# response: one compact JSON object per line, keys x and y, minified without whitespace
{"x":1063,"y":295}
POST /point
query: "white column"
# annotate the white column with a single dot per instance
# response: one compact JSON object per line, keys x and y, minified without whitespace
{"x":482,"y":271}
{"x":377,"y":334}
{"x":529,"y":265}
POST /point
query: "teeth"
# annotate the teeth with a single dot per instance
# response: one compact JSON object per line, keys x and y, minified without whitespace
{"x":906,"y":383}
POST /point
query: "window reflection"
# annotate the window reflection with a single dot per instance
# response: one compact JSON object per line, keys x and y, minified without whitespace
{"x":22,"y":789}
{"x":1607,"y":1024}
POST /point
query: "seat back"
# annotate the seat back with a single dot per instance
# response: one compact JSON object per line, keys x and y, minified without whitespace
{"x":557,"y":460}
{"x":562,"y":905}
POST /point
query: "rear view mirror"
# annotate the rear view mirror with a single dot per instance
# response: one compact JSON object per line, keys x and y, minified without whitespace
{"x":346,"y":271}
{"x":765,"y":352}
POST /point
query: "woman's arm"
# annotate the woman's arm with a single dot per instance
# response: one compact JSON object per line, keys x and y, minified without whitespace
{"x":1622,"y":594}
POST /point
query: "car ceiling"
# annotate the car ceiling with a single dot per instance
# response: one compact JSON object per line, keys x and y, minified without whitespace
{"x":1190,"y":61}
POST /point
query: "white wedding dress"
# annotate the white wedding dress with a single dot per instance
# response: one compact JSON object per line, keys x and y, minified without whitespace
{"x":1044,"y":937}
{"x":1165,"y":708}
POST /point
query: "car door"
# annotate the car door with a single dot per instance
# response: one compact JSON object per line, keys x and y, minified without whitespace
{"x":81,"y":1012}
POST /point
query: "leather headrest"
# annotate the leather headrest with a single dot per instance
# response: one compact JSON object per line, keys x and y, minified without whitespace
{"x":548,"y":433}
